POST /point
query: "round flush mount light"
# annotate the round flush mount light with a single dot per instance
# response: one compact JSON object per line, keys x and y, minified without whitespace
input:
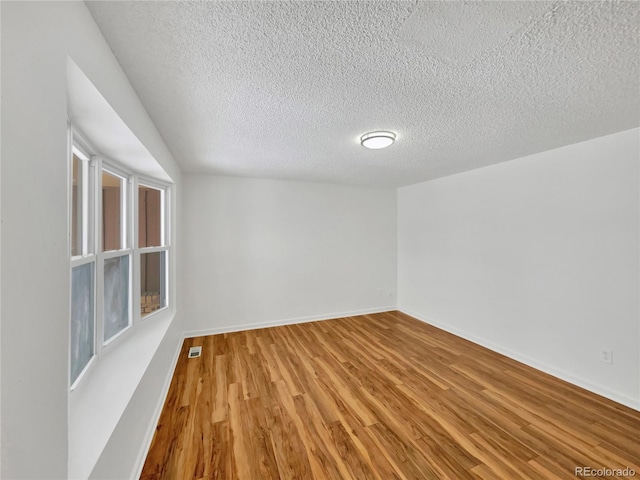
{"x":377,"y":140}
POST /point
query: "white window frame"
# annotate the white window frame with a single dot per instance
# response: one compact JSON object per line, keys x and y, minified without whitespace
{"x":86,"y":236}
{"x":165,"y":235}
{"x":86,"y":194}
{"x":126,"y":212}
{"x":92,"y":242}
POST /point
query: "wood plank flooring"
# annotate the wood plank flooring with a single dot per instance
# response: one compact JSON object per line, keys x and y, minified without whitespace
{"x":379,"y":396}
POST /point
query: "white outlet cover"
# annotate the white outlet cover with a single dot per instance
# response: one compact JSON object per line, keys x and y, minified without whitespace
{"x":606,"y":356}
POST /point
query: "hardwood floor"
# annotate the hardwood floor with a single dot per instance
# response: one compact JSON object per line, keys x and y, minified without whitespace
{"x":379,"y":396}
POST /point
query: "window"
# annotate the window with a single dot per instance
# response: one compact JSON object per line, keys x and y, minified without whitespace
{"x":116,"y":313}
{"x":114,"y":200}
{"x":82,"y":318}
{"x":116,"y":251}
{"x":83,"y":313}
{"x":115,"y":237}
{"x":153,"y":249}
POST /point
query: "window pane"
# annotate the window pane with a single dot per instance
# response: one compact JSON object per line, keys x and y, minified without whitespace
{"x":149,"y":217}
{"x":153,"y":286}
{"x":82,"y":318}
{"x":111,"y":212}
{"x":76,"y":207}
{"x":116,"y":295}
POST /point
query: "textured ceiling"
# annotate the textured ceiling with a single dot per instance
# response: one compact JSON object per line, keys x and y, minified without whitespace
{"x":284,"y":89}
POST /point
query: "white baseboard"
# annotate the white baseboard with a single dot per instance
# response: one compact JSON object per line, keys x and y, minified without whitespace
{"x":567,"y":377}
{"x":288,"y":321}
{"x":148,"y":438}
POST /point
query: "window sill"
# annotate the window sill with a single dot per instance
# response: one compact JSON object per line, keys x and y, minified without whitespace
{"x":85,"y":372}
{"x":151,"y":315}
{"x":98,"y":402}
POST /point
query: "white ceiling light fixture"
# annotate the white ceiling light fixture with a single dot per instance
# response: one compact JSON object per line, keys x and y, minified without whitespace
{"x":377,"y":140}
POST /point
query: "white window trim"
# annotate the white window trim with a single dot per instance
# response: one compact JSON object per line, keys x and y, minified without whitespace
{"x":125,"y":202}
{"x":77,"y":146}
{"x":165,"y":234}
{"x":85,"y":199}
{"x":104,"y":165}
{"x":92,"y":244}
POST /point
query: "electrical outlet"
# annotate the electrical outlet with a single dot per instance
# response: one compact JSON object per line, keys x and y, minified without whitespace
{"x":606,"y":356}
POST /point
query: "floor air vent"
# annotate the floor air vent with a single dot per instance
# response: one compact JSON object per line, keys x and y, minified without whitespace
{"x":195,"y":352}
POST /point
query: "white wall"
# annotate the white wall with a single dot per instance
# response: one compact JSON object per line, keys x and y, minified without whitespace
{"x":37,"y":37}
{"x":0,"y":251}
{"x":266,"y":251}
{"x":537,"y":258}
